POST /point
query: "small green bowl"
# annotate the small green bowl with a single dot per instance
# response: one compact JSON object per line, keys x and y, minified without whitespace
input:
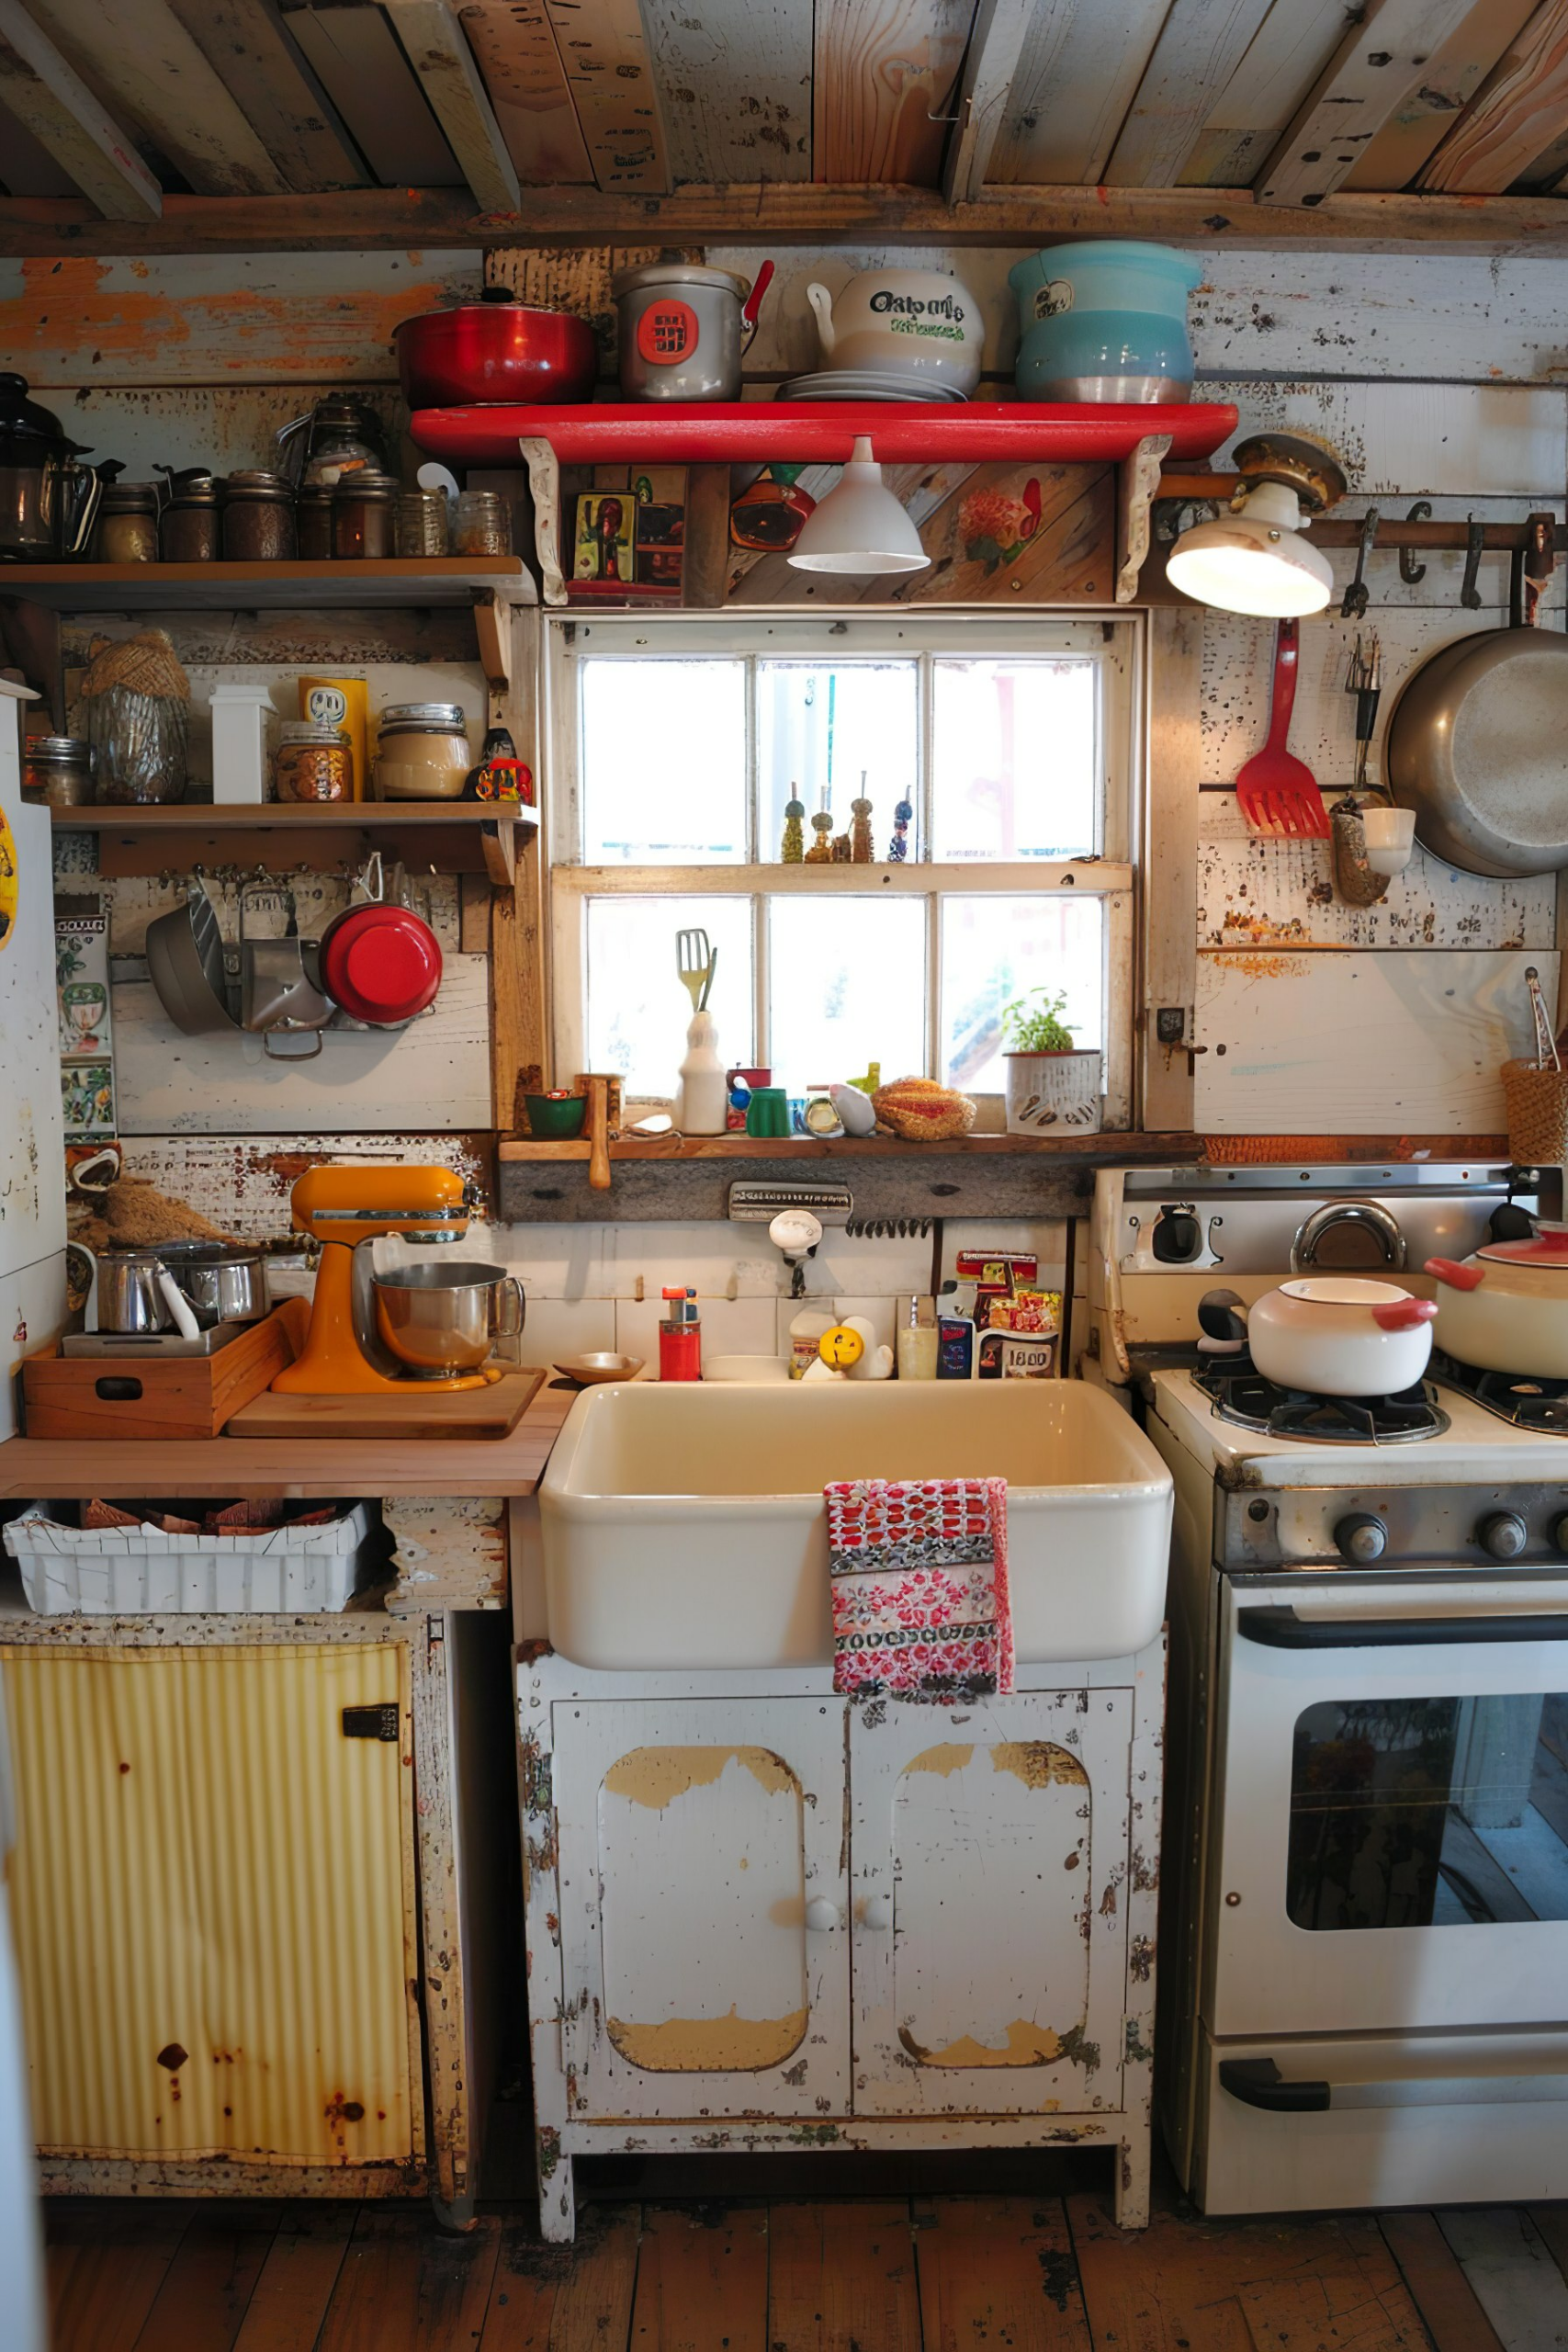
{"x":554,"y":1119}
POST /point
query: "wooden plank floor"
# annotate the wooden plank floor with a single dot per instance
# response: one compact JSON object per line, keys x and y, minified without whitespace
{"x":889,"y":2274}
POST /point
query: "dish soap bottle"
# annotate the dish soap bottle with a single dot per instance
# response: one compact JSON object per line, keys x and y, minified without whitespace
{"x":701,"y":1108}
{"x":916,"y":1347}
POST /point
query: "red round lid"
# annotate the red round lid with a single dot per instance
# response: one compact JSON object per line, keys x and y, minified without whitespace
{"x":1547,"y":1248}
{"x":382,"y":964}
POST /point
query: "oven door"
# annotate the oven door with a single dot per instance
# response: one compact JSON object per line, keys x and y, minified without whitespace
{"x":1394,"y":1800}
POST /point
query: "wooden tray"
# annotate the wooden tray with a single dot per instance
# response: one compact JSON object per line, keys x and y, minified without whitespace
{"x":421,"y":1413}
{"x":173,"y":1396}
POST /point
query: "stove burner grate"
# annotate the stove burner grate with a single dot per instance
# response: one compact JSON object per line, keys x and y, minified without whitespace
{"x":1242,"y":1395}
{"x":1520,"y":1398}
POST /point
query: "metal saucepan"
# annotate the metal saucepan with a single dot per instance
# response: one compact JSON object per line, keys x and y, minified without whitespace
{"x":187,"y":1286}
{"x":1478,"y":747}
{"x":1337,"y":1335}
{"x":497,"y":349}
{"x":1505,"y":1310}
{"x":441,"y":1320}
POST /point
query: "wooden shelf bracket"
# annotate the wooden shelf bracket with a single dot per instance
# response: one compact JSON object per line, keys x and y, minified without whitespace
{"x":1137,"y":482}
{"x":544,"y":483}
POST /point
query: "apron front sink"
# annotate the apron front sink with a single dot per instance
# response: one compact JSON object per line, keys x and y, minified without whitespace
{"x":684,"y":1526}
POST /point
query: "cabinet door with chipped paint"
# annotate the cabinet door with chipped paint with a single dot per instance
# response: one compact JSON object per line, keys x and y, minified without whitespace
{"x":704,"y":1906}
{"x":990,"y":1858}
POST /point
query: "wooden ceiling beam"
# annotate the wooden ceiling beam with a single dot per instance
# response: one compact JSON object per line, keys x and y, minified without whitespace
{"x":248,"y":45}
{"x":1200,"y":47}
{"x":50,"y":98}
{"x":991,"y":66}
{"x":803,"y":213}
{"x":141,"y":62}
{"x":1520,"y":110}
{"x":434,"y":45}
{"x":1379,"y":64}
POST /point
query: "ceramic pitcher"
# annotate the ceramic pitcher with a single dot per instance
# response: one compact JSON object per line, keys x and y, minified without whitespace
{"x":902,"y":323}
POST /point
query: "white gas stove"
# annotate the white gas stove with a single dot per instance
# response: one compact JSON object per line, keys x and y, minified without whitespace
{"x":1364,"y":1970}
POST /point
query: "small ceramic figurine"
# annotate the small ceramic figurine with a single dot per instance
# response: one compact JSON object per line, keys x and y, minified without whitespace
{"x":821,"y":849}
{"x":842,"y":849}
{"x":860,"y":830}
{"x":899,"y":847}
{"x":793,"y":850}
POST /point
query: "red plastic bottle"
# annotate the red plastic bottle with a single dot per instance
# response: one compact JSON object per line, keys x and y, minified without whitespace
{"x":680,"y":1350}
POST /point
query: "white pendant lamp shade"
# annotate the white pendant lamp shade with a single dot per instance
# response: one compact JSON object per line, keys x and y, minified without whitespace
{"x":859,"y":529}
{"x":1255,"y":560}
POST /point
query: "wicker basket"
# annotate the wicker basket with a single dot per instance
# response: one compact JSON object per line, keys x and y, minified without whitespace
{"x":1538,"y":1113}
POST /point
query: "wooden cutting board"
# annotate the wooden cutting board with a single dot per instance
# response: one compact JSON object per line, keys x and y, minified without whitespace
{"x":417,"y":1412}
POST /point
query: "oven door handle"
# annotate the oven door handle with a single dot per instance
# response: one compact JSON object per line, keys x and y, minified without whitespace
{"x":1282,"y":1629}
{"x":1257,"y":2082}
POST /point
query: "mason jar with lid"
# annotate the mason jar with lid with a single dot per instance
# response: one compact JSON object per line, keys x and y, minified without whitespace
{"x":422,"y":522}
{"x":313,"y":761}
{"x":58,"y":771}
{"x":258,"y":518}
{"x":128,"y":524}
{"x":313,"y":512}
{"x":188,"y":528}
{"x":362,"y":515}
{"x":484,"y":523}
{"x":422,"y":752}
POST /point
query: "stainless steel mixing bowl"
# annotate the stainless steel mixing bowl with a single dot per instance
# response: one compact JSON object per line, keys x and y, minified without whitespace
{"x":441,"y":1320}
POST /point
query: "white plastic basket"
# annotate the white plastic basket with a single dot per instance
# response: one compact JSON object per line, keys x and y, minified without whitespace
{"x":140,"y":1571}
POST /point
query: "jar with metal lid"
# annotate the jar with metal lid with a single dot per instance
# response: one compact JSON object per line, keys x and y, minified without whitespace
{"x":313,"y":761}
{"x":58,"y":771}
{"x":362,"y":515}
{"x":188,"y":528}
{"x":484,"y":523}
{"x":128,"y":524}
{"x":314,"y":513}
{"x":422,"y":752}
{"x":421,"y":522}
{"x":258,"y":518}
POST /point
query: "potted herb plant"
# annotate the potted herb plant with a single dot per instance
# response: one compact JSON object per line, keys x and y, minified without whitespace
{"x":1051,"y":1084}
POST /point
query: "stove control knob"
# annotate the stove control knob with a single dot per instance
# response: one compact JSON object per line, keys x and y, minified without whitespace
{"x":1361,"y":1538}
{"x":1503,"y":1535}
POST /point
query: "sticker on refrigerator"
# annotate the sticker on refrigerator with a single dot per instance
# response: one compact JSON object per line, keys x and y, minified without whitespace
{"x":10,"y":882}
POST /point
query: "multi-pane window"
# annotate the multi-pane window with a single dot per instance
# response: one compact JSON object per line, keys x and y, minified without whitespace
{"x":677,"y":745}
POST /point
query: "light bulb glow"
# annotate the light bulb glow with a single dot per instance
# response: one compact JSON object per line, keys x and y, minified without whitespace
{"x":1254,"y":560}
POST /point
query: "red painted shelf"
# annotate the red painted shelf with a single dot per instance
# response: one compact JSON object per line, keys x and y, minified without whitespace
{"x":737,"y":431}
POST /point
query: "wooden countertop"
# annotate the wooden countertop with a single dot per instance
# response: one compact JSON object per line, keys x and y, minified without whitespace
{"x":62,"y":1468}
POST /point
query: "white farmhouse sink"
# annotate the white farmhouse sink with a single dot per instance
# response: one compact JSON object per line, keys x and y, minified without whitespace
{"x":684,"y":1526}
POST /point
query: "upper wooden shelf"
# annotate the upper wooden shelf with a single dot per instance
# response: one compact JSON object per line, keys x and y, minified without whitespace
{"x":737,"y":431}
{"x":456,"y":836}
{"x":1122,"y":1149}
{"x":167,"y":587}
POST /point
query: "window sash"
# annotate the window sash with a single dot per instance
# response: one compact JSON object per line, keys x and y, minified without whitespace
{"x":571,"y":886}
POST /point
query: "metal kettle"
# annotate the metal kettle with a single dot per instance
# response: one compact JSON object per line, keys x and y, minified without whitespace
{"x":48,"y":499}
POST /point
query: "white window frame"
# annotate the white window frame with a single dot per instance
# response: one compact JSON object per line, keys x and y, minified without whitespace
{"x":1108,"y":876}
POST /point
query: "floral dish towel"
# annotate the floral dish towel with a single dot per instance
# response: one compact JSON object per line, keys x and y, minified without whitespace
{"x":921,"y":1607}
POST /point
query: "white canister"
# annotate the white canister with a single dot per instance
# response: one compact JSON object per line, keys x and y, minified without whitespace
{"x":902,"y":323}
{"x":240,"y":713}
{"x":1049,"y":1092}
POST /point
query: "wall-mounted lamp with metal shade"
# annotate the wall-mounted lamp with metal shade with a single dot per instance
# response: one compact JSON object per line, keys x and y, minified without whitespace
{"x":1254,"y":559}
{"x":859,"y":529}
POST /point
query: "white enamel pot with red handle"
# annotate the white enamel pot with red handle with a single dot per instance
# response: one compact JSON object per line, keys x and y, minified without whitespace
{"x":1338,"y":1336}
{"x":1505,"y":1310}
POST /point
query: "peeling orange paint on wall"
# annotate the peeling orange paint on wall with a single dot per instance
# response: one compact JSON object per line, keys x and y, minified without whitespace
{"x":656,"y":1776}
{"x":951,"y":1756}
{"x":1027,"y":2044}
{"x":705,"y":2045}
{"x":1267,"y":967}
{"x":1038,"y":1763}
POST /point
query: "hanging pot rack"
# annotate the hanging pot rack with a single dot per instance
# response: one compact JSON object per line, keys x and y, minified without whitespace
{"x":1537,"y":534}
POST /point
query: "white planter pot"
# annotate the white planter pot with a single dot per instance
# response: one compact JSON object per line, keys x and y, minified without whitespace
{"x":1049,"y":1092}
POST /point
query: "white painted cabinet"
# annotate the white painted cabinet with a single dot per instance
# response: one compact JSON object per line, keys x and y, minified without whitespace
{"x":764,"y":1917}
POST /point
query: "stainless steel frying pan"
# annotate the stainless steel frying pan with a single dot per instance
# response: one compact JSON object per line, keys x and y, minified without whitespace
{"x":1478,"y":747}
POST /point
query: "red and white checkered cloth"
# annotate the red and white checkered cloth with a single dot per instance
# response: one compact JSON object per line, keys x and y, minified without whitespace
{"x":921,"y":1607}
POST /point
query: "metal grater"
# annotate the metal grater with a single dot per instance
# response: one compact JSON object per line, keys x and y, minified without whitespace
{"x":759,"y":1203}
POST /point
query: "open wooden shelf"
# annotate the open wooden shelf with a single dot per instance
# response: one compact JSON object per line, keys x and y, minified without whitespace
{"x":456,"y":836}
{"x":1120,"y":1147}
{"x":168,"y":587}
{"x":731,"y":431}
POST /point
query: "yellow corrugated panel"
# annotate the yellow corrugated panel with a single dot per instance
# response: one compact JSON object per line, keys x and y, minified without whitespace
{"x":210,"y":1904}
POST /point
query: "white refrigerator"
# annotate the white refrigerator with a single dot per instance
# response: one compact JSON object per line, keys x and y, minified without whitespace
{"x":32,"y":1309}
{"x":32,"y":1132}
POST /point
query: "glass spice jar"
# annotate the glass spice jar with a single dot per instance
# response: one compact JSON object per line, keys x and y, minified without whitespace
{"x":484,"y":523}
{"x":258,"y":518}
{"x":361,"y":517}
{"x":128,"y":524}
{"x":58,"y":771}
{"x":421,"y":522}
{"x":189,"y":529}
{"x":313,"y":761}
{"x":422,"y":752}
{"x":314,"y":513}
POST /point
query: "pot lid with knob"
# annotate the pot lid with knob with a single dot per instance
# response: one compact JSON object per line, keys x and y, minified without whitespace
{"x":25,"y":424}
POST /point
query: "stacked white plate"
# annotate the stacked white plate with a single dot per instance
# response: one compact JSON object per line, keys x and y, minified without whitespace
{"x":866,"y":384}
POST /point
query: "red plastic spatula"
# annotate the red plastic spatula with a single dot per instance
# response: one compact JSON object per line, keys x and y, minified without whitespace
{"x":1277,"y":793}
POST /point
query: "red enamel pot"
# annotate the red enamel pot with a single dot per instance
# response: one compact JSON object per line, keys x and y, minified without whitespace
{"x":382,"y":963}
{"x":496,"y":349}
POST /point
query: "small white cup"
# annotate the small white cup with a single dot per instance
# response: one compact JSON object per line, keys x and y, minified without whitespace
{"x":1391,"y":837}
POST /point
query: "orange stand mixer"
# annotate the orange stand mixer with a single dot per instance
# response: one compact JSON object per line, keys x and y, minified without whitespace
{"x":431,"y":1326}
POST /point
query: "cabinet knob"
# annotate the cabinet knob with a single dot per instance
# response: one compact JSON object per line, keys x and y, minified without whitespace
{"x":877,"y":1913}
{"x":822,"y":1916}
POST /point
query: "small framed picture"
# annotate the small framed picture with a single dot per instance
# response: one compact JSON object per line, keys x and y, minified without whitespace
{"x":602,"y":550}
